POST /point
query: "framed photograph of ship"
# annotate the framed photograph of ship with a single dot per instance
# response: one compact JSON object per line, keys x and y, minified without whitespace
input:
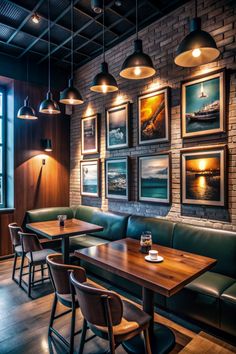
{"x":89,"y":135}
{"x":117,"y":126}
{"x":117,"y":178}
{"x":153,"y":117}
{"x":204,"y":176}
{"x":203,"y":105}
{"x":154,"y":178}
{"x":89,"y":178}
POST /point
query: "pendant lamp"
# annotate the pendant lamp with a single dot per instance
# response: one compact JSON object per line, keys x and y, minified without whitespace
{"x":104,"y":82}
{"x":49,"y":106}
{"x":26,"y":111}
{"x":71,"y":95}
{"x":138,"y":65}
{"x":198,"y":47}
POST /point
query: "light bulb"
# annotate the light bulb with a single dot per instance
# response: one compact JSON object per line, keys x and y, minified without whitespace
{"x":104,"y":88}
{"x":71,"y":100}
{"x":196,"y":53}
{"x":137,"y":71}
{"x":50,"y":110}
{"x":35,"y":18}
{"x":27,"y":116}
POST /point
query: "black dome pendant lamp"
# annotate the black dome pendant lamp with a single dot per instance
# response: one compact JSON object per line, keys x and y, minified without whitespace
{"x":26,"y":111}
{"x":49,"y":106}
{"x":138,"y":65}
{"x":198,"y":47}
{"x":104,"y":82}
{"x":71,"y":95}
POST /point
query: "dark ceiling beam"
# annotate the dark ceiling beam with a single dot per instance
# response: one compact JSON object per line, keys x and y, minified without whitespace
{"x":75,"y":33}
{"x":124,"y":17}
{"x":30,"y":13}
{"x":155,"y":6}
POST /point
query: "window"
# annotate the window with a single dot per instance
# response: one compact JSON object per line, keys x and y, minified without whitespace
{"x":2,"y":148}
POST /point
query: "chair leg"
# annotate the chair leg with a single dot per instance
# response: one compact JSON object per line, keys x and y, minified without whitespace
{"x":112,"y":344}
{"x":147,"y":342}
{"x":32,"y":278}
{"x":21,"y":268}
{"x":14,"y":266}
{"x":29,"y":282}
{"x":54,"y":307}
{"x":72,"y":329}
{"x":42,"y":272}
{"x":83,"y":336}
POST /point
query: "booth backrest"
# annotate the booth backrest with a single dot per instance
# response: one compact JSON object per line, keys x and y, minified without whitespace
{"x":161,"y":229}
{"x":47,"y":214}
{"x":217,"y":244}
{"x":114,"y":224}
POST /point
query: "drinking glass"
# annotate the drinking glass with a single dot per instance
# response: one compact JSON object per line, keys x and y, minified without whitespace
{"x":61,"y":219}
{"x":146,"y":242}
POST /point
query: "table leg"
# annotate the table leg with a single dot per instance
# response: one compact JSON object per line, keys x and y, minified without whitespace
{"x":65,"y":243}
{"x":161,"y":337}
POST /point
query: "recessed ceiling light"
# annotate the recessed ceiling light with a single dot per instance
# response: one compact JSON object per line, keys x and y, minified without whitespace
{"x":35,"y":18}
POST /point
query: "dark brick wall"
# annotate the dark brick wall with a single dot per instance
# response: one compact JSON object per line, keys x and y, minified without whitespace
{"x":160,"y":41}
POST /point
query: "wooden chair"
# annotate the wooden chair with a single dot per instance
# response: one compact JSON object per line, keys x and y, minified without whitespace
{"x":108,"y":316}
{"x":60,"y":277}
{"x":36,"y":256}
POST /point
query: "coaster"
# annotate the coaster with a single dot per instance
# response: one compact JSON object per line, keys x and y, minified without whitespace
{"x":158,"y":260}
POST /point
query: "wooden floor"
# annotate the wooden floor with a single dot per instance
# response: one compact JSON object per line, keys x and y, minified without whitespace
{"x":24,"y":322}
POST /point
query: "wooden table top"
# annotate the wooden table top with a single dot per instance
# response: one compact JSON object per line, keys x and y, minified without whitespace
{"x":123,"y":258}
{"x":51,"y":229}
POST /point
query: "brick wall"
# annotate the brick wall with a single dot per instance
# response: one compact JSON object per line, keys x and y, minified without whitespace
{"x":160,"y":41}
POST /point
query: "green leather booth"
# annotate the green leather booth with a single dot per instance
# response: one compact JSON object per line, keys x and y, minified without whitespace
{"x":210,"y":299}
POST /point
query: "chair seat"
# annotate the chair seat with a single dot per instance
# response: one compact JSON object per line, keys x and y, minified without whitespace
{"x":18,"y":249}
{"x":85,"y":241}
{"x":39,"y":257}
{"x":212,"y":284}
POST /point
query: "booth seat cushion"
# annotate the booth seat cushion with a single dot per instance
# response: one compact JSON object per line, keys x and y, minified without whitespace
{"x":84,"y":241}
{"x":114,"y":224}
{"x":228,"y":310}
{"x":161,"y":229}
{"x":200,"y":299}
{"x":217,"y":244}
{"x":47,"y":214}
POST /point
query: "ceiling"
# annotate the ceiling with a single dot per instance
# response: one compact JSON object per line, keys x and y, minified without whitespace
{"x":20,"y":37}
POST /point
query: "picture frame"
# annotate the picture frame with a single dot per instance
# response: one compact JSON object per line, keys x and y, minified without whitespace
{"x":117,"y":178}
{"x":203,"y":102}
{"x":90,"y":178}
{"x":89,"y":135}
{"x":154,"y":117}
{"x":154,"y":178}
{"x":118,"y":126}
{"x":204,"y":176}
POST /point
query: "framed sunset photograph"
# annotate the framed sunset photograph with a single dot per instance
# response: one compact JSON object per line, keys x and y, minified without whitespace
{"x":89,"y":178}
{"x":89,"y":135}
{"x":203,"y":105}
{"x":117,"y":178}
{"x":117,"y":126}
{"x":204,"y":176}
{"x":154,"y":116}
{"x":154,"y":178}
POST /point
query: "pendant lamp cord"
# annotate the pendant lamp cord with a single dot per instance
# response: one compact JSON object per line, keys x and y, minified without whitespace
{"x":27,"y":76}
{"x":49,"y":49}
{"x":136,"y":19}
{"x":72,"y":40}
{"x":103,"y":34}
{"x":195,"y":8}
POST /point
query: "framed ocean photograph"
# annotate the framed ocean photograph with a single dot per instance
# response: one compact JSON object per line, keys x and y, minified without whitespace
{"x":154,"y":116}
{"x":154,"y":178}
{"x":203,"y":105}
{"x":89,"y":135}
{"x":117,"y":126}
{"x":204,"y":176}
{"x":117,"y":178}
{"x":89,"y":178}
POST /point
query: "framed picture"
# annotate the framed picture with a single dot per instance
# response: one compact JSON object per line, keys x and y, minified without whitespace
{"x":154,"y":178}
{"x":204,"y":176}
{"x":89,"y":178}
{"x":153,"y":117}
{"x":117,"y":126}
{"x":89,"y":135}
{"x":203,"y":105}
{"x":117,"y":178}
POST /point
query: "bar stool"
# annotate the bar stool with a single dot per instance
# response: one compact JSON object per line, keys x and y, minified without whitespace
{"x":108,"y":316}
{"x":36,"y":255}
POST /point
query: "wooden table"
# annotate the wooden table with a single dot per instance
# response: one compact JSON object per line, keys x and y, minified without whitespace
{"x":73,"y":227}
{"x":179,"y":268}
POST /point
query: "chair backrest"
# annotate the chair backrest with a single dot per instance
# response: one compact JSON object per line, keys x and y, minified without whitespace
{"x":60,"y":273}
{"x":97,"y":305}
{"x":30,"y":242}
{"x":14,"y":233}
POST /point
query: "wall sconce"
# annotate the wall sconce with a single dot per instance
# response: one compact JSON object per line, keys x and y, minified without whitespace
{"x":46,"y":145}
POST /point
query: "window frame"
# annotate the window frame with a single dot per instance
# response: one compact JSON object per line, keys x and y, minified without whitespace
{"x":3,"y":145}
